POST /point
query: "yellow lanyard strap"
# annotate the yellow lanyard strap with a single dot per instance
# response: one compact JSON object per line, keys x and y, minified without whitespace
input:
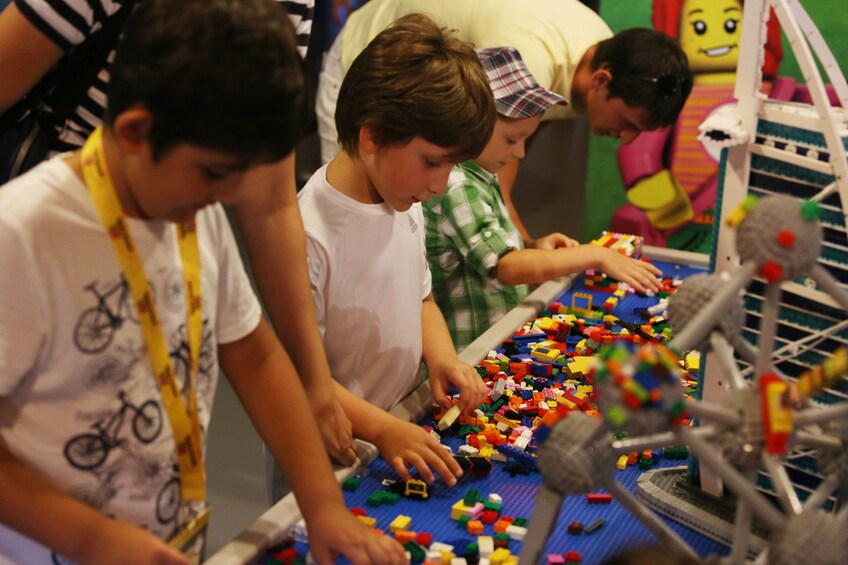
{"x":185,"y":420}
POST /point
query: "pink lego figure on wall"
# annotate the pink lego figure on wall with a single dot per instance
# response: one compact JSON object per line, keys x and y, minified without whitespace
{"x":670,"y":177}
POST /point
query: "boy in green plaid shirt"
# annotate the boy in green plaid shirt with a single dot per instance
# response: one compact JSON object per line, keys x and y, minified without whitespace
{"x":481,"y":268}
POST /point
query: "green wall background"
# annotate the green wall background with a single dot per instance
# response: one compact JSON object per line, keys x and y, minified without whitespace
{"x":605,"y":191}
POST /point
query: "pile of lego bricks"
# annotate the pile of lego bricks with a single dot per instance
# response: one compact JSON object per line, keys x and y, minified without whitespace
{"x":542,"y":369}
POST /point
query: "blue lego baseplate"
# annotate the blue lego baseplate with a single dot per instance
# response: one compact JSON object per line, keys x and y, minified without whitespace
{"x":619,"y":531}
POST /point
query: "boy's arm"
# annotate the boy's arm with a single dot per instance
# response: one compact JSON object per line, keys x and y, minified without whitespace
{"x":269,"y":220}
{"x":532,"y":266}
{"x":36,"y":509}
{"x":267,"y":384}
{"x":445,"y":368}
{"x":402,"y":444}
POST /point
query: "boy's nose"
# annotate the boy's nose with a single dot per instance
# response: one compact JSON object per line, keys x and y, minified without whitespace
{"x":439,"y":184}
{"x":519,"y":150}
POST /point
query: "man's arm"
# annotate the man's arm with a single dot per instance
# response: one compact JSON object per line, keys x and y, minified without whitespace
{"x":269,"y":220}
{"x":268,"y":387}
{"x":26,"y":55}
{"x":34,"y":508}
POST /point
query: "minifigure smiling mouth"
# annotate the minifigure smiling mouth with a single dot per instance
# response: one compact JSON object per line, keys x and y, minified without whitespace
{"x":719,"y":51}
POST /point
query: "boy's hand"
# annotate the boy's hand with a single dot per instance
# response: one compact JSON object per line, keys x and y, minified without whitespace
{"x":472,"y":389}
{"x":120,"y":542}
{"x":640,"y":275}
{"x":405,"y":445}
{"x":555,"y":241}
{"x":335,"y":428}
{"x":337,"y":532}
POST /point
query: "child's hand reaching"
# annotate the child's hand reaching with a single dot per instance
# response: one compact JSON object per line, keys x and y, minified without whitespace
{"x":555,"y":241}
{"x":640,"y":275}
{"x":335,"y":531}
{"x":405,"y":445}
{"x":453,"y":372}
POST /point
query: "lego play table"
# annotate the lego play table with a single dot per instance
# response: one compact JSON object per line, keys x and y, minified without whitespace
{"x":618,"y":531}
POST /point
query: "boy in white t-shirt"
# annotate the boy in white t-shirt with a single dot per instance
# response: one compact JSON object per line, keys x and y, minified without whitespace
{"x":123,"y":291}
{"x":415,"y":103}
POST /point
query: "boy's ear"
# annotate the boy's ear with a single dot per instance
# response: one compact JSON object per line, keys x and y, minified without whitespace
{"x":601,"y":77}
{"x":131,"y":128}
{"x":366,"y":141}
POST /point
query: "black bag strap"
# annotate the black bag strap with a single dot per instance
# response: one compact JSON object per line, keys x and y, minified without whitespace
{"x":63,"y":88}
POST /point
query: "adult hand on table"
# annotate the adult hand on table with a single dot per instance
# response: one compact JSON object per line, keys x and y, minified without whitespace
{"x":335,"y":427}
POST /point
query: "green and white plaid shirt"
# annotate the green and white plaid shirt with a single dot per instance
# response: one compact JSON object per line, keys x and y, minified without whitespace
{"x":468,"y":231}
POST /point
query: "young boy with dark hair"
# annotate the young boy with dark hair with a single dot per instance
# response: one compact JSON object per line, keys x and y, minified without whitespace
{"x":481,"y":266}
{"x":415,"y":102}
{"x":124,"y":291}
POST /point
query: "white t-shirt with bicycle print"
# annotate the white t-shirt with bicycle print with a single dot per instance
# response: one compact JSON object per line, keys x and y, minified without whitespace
{"x":78,"y":402}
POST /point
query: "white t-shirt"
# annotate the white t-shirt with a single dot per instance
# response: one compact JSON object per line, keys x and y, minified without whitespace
{"x":78,"y":402}
{"x":369,"y":275}
{"x":551,"y":35}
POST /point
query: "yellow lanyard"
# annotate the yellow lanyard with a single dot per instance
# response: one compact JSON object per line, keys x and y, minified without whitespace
{"x":184,"y":419}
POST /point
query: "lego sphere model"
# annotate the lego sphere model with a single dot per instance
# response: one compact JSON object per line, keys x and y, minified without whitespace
{"x":574,"y":458}
{"x":695,"y":293}
{"x":781,"y":235}
{"x":639,"y":393}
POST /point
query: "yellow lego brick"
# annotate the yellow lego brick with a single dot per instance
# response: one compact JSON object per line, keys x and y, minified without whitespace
{"x":449,"y":417}
{"x":585,"y":389}
{"x":693,"y":361}
{"x":579,"y":364}
{"x":621,"y":464}
{"x":400,"y":523}
{"x":499,"y":556}
{"x":369,"y":521}
{"x":548,"y":323}
{"x":602,"y":240}
{"x":459,"y":510}
{"x":568,"y":403}
{"x":486,"y":451}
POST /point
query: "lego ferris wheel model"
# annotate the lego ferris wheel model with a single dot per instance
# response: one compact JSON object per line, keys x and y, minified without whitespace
{"x":772,"y":322}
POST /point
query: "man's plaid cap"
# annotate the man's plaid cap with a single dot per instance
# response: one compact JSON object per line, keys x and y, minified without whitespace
{"x":517,"y":94}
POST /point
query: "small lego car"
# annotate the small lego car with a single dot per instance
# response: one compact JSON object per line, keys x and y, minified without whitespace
{"x":413,"y":488}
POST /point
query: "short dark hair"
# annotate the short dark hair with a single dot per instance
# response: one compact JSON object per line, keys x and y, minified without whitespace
{"x":649,"y":70}
{"x":220,"y":74}
{"x":416,"y":79}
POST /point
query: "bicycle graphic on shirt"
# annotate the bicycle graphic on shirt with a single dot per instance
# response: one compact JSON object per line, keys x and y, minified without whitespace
{"x":97,"y":325}
{"x":88,"y":451}
{"x":181,"y":358}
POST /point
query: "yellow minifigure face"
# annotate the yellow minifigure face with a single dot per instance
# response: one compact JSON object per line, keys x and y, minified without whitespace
{"x":710,"y":31}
